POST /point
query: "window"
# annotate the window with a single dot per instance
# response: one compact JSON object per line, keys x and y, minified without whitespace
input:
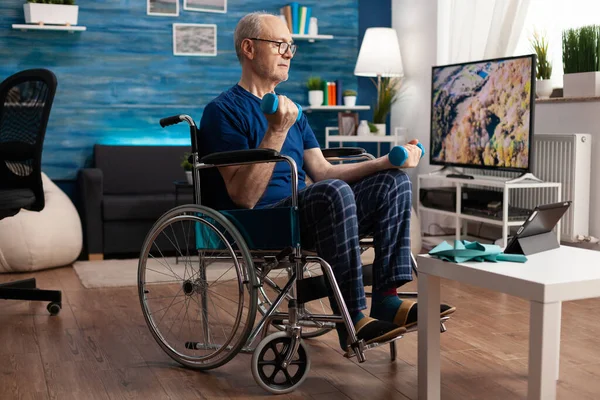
{"x":552,"y":17}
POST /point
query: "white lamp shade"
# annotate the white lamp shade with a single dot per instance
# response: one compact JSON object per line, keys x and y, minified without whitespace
{"x":379,"y":54}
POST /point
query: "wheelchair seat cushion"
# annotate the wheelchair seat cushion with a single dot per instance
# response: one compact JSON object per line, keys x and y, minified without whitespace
{"x":262,"y":229}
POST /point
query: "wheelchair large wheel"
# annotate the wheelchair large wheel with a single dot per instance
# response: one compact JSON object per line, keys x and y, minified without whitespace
{"x":197,"y":287}
{"x":272,"y":286}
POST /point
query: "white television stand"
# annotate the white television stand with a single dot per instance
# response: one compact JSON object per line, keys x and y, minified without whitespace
{"x":526,"y":181}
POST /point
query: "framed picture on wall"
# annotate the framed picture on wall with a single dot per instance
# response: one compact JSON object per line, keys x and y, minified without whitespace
{"x":347,"y":123}
{"x":194,"y":39}
{"x":218,"y":6}
{"x":168,"y":8}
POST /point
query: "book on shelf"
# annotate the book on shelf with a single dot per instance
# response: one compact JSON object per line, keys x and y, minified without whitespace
{"x":297,"y":17}
{"x":332,"y":93}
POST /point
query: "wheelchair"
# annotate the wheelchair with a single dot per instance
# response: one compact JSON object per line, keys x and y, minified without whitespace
{"x":233,"y":277}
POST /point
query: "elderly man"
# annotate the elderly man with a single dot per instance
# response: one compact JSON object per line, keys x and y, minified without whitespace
{"x":345,"y":202}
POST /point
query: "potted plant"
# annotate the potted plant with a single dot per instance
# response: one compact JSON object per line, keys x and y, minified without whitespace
{"x":581,"y":62}
{"x":349,"y":97}
{"x":187,"y":167}
{"x":387,"y":94}
{"x":51,"y":12}
{"x":315,"y":91}
{"x":543,"y":84}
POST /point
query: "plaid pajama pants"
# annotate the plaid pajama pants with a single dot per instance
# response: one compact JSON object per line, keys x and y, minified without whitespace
{"x":334,"y":215}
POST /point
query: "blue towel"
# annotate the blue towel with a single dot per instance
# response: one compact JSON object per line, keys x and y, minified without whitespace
{"x":464,"y":250}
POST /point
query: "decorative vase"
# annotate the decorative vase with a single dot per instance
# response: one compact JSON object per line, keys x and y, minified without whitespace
{"x":51,"y":14}
{"x":543,"y":88}
{"x":581,"y":84}
{"x":188,"y":175}
{"x":350,"y":101}
{"x":380,"y":129}
{"x":363,"y":128}
{"x":313,"y":27}
{"x":315,"y":97}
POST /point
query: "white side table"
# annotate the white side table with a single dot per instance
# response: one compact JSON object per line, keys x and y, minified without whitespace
{"x":546,"y":280}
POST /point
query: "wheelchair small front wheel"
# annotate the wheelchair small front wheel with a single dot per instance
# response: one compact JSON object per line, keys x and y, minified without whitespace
{"x":197,"y":287}
{"x":267,"y":362}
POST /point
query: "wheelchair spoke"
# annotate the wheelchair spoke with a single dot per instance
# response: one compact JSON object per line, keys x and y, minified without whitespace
{"x":169,"y":306}
{"x":178,"y":312}
{"x":223,"y":274}
{"x":166,"y":266}
{"x":220,"y":324}
{"x":164,"y":297}
{"x":162,"y":273}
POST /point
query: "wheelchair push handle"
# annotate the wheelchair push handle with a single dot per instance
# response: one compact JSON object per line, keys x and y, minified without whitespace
{"x":270,"y":103}
{"x":167,"y":121}
{"x":399,"y":154}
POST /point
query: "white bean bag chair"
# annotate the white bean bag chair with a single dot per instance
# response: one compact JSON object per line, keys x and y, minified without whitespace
{"x":31,"y":240}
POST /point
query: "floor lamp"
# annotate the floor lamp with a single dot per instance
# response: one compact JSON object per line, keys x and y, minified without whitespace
{"x":379,"y":56}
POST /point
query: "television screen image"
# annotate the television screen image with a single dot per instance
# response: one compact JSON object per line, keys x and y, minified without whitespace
{"x":482,"y":114}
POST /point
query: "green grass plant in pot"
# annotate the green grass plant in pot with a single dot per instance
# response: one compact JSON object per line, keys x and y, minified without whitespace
{"x":581,"y":61}
{"x":51,"y":12}
{"x":349,"y":97}
{"x":187,"y":167}
{"x":543,"y":68}
{"x":315,"y":91}
{"x":387,"y":95}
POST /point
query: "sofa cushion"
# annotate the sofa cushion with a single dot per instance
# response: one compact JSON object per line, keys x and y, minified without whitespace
{"x":117,"y":207}
{"x":139,"y":169}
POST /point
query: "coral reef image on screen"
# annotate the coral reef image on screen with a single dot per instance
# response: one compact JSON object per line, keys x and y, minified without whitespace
{"x":481,"y":114}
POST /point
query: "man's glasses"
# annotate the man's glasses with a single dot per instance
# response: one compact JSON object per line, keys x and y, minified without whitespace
{"x":283,"y":46}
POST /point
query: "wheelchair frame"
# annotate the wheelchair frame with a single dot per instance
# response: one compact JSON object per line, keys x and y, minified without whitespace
{"x":297,"y":316}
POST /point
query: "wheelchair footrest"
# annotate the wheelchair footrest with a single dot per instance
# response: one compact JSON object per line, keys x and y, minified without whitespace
{"x":350,"y":352}
{"x":415,"y":327}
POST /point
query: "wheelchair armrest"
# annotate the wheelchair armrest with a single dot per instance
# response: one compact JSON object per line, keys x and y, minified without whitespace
{"x":343,"y":151}
{"x":241,"y":156}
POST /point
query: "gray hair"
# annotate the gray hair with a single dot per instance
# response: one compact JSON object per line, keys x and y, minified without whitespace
{"x":248,"y":27}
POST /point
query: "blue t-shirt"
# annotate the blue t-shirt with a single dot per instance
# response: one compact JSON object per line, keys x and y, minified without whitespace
{"x":235,"y":121}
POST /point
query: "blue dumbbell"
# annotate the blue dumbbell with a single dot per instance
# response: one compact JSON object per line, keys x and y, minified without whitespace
{"x":270,"y":102}
{"x":399,"y":154}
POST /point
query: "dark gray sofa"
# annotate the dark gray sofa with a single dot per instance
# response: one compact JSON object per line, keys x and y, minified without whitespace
{"x":124,"y":193}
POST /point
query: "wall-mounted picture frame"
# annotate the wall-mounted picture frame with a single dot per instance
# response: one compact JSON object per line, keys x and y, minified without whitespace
{"x":347,"y":123}
{"x":216,"y":6}
{"x":164,"y":8}
{"x":194,"y":39}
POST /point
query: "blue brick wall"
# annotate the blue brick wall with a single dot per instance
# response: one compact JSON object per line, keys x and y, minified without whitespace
{"x":118,"y":78}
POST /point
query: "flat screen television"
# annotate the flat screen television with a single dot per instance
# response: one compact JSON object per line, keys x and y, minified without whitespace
{"x":482,"y":114}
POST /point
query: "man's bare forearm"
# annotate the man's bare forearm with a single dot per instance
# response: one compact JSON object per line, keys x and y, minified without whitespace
{"x":353,"y":172}
{"x":250,"y":181}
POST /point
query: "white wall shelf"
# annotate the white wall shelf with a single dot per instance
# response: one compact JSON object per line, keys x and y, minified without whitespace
{"x":489,"y":181}
{"x":311,"y":38}
{"x":71,"y":28}
{"x":334,"y":108}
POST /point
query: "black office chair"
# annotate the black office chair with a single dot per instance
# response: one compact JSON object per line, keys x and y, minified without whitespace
{"x":25,"y":102}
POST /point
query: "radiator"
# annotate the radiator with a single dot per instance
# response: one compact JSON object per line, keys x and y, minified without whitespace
{"x":564,"y":158}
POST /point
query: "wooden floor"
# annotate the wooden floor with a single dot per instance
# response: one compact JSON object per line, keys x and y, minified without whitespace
{"x":100,"y":348}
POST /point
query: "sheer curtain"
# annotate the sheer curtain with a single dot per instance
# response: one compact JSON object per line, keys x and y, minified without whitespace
{"x":471,"y":30}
